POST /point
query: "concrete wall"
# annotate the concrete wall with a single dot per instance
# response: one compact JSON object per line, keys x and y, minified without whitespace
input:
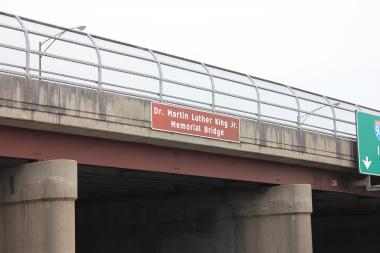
{"x":276,"y":220}
{"x":61,"y":108}
{"x":37,"y":211}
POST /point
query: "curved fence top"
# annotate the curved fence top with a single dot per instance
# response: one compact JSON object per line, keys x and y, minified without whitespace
{"x":47,"y":52}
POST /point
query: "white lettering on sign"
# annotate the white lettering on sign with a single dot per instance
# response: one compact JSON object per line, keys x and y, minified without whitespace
{"x":171,"y":118}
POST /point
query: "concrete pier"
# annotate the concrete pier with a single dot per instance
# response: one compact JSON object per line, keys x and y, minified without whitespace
{"x":37,"y":210}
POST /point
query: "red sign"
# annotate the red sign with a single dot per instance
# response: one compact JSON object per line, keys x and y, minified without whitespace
{"x":188,"y":121}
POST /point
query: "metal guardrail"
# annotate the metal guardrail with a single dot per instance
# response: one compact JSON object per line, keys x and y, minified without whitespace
{"x":81,"y":59}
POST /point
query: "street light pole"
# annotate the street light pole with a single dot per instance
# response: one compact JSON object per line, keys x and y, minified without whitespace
{"x":39,"y":59}
{"x":307,"y":114}
{"x":56,"y":36}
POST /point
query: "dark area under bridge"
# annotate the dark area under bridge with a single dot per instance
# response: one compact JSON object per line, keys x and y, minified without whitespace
{"x":124,"y":209}
{"x":339,"y":220}
{"x":114,"y":206}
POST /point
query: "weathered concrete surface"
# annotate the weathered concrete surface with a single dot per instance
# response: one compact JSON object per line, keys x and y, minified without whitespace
{"x":37,"y":211}
{"x":61,"y":108}
{"x":275,"y":220}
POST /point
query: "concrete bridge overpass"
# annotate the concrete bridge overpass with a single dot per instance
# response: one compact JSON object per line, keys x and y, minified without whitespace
{"x":284,"y":185}
{"x":118,"y":130}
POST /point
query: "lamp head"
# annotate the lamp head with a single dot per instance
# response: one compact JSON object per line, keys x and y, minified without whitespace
{"x":80,"y":28}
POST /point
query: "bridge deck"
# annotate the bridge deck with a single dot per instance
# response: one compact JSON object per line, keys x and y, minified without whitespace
{"x":114,"y":130}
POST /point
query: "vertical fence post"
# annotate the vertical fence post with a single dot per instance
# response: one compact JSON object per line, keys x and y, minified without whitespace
{"x":99,"y":57}
{"x":257,"y":96}
{"x":298,"y":106}
{"x":358,"y":108}
{"x":212,"y":86}
{"x":27,"y":46}
{"x":161,"y":84}
{"x":333,"y":113}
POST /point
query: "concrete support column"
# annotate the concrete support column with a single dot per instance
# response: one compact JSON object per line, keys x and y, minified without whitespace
{"x":273,"y":220}
{"x":37,"y":207}
{"x":279,"y":220}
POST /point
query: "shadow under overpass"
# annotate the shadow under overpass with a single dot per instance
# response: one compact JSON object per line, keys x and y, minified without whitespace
{"x":121,"y":211}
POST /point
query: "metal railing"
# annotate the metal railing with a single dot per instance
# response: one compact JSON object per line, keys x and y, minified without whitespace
{"x":80,"y":59}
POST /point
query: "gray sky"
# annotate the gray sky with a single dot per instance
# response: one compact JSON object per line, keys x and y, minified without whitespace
{"x":329,"y":47}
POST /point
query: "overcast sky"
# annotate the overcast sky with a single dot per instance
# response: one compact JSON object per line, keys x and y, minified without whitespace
{"x":331,"y":47}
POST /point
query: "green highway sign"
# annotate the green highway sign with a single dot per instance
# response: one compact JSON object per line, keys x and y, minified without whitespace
{"x":368,"y":138}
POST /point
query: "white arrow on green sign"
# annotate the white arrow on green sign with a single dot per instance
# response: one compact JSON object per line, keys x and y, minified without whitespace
{"x":368,"y":138}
